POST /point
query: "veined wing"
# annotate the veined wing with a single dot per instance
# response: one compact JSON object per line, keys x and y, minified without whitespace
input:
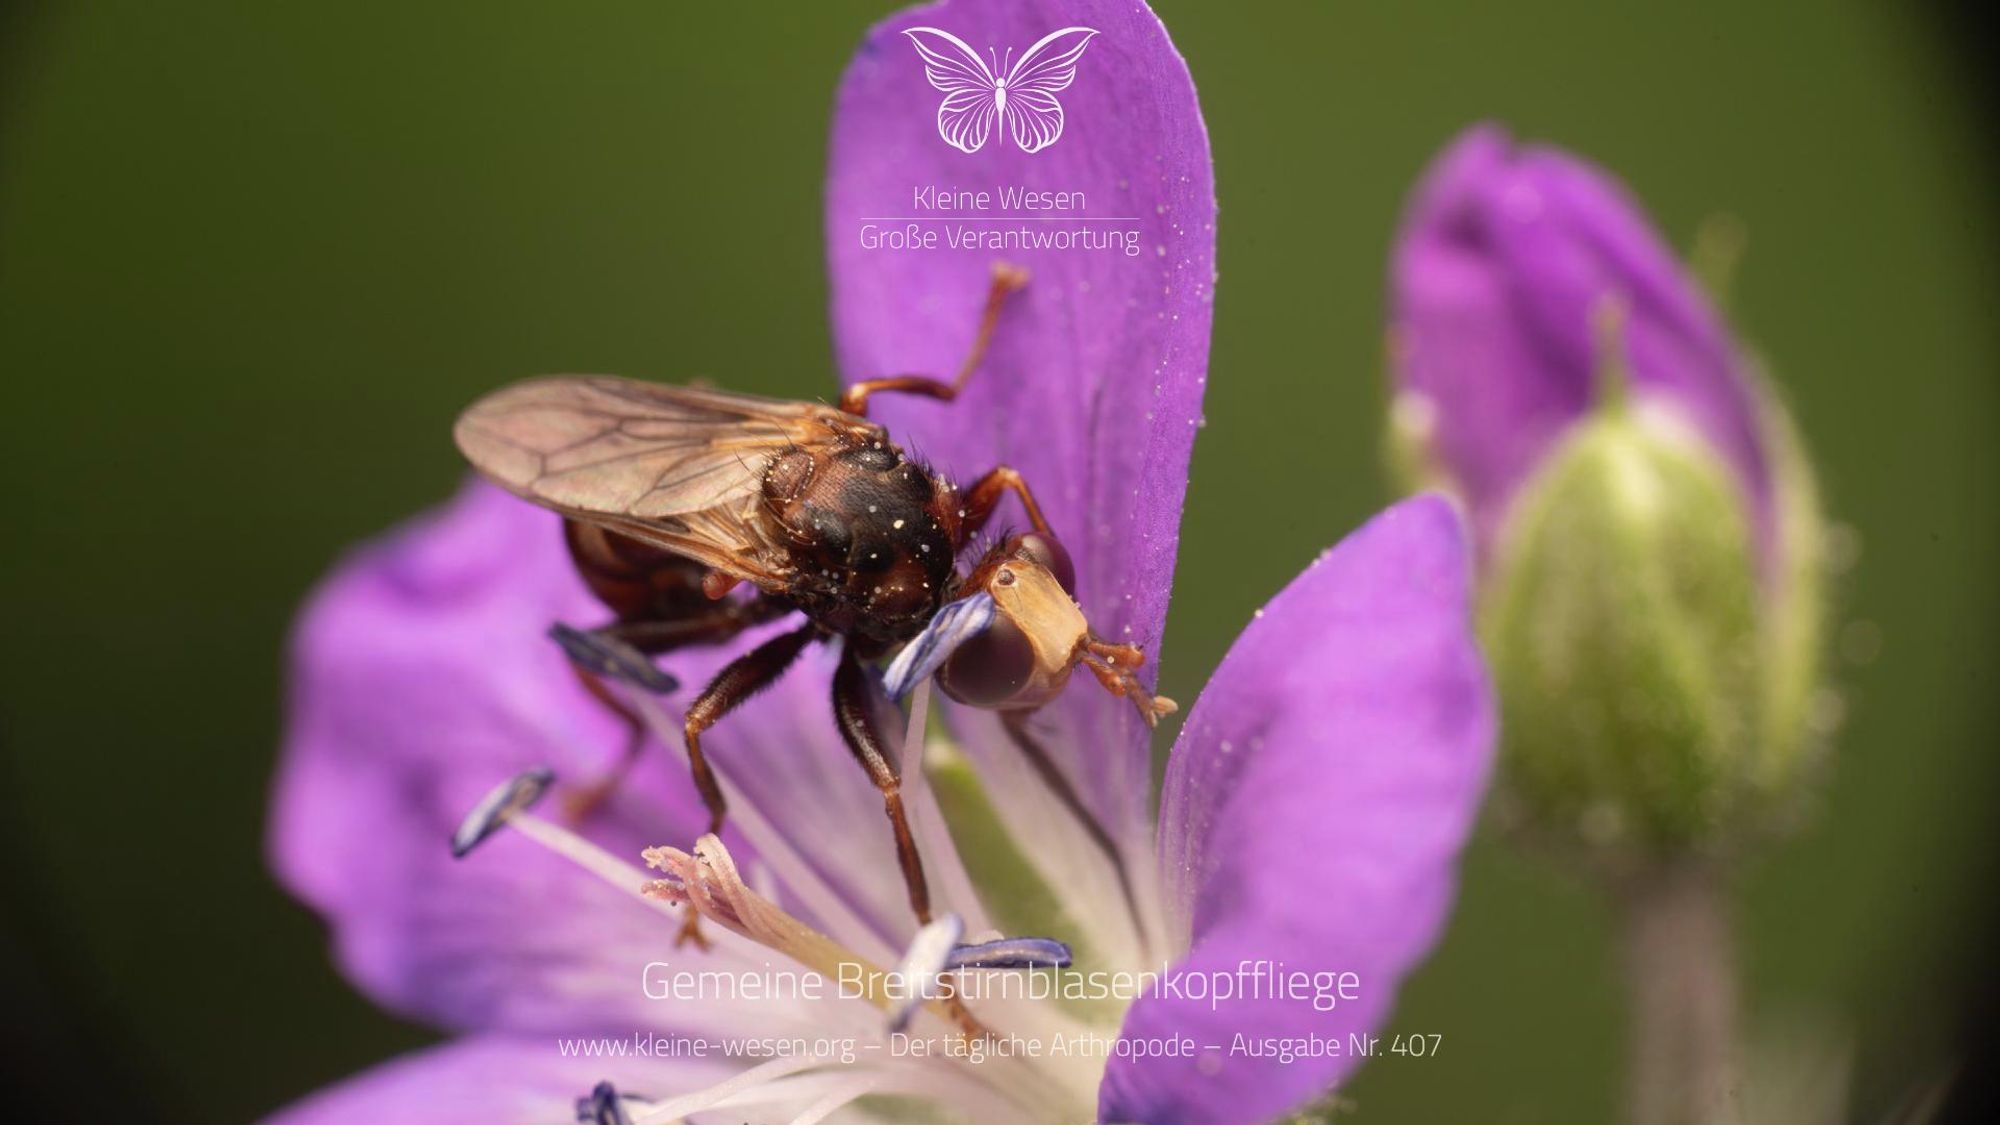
{"x":675,"y":466}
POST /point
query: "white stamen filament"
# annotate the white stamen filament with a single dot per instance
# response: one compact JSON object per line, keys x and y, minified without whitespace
{"x":586,"y":855}
{"x":837,"y":1086}
{"x":1059,"y":848}
{"x":711,"y":881}
{"x":676,"y":1108}
{"x":773,"y":847}
{"x":853,"y":950}
{"x":830,"y":1102}
{"x":923,"y":967}
{"x":927,"y":823}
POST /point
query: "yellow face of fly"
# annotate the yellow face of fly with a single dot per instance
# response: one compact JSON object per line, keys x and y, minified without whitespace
{"x":1031,"y":599}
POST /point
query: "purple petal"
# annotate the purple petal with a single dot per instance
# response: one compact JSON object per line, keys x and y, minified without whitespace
{"x":1502,"y":262}
{"x":490,"y":1080}
{"x":1314,"y":810}
{"x":422,"y":678}
{"x":1092,"y":388}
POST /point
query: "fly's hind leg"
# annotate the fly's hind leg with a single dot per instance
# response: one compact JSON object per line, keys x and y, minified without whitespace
{"x":621,"y":653}
{"x":1006,"y":279}
{"x":583,"y":802}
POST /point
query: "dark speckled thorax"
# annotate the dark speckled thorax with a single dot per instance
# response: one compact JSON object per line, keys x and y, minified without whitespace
{"x":870,"y":533}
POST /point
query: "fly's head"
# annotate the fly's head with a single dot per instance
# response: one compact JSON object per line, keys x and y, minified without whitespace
{"x":1014,"y":633}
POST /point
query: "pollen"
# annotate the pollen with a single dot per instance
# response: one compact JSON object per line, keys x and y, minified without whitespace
{"x":936,"y":976}
{"x":708,"y":882}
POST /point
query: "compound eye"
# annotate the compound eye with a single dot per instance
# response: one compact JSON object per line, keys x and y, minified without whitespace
{"x":1044,"y":551}
{"x":991,"y":668}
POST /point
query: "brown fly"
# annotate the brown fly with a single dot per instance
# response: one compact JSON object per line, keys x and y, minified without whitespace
{"x":674,"y":498}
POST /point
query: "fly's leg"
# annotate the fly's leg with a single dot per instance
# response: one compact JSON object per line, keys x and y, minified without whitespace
{"x":984,"y":497}
{"x":1117,"y":668}
{"x":744,"y":677}
{"x":852,"y":699}
{"x":620,"y":652}
{"x":581,"y":803}
{"x":851,"y":708}
{"x":1006,"y":279}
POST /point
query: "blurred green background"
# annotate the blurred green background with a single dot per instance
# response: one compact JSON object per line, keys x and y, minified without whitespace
{"x":254,"y":256}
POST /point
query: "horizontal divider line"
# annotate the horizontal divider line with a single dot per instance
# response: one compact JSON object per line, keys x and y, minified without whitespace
{"x":998,"y":218}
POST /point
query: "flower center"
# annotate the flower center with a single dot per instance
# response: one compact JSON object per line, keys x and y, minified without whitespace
{"x":962,"y":1059}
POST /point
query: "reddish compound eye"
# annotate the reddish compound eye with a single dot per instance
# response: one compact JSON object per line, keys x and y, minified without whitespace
{"x":991,"y":668}
{"x":1044,"y":551}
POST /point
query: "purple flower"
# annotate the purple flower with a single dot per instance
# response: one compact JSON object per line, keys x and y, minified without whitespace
{"x":1505,"y":262}
{"x":1649,"y":530}
{"x":1315,"y":802}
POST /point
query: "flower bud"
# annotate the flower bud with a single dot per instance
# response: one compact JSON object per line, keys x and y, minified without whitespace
{"x":1649,"y":529}
{"x":1622,"y":620}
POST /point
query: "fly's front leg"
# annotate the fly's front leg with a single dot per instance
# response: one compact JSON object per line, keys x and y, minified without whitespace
{"x":744,"y":677}
{"x":852,"y":709}
{"x":1117,"y":668}
{"x":984,"y":496}
{"x":1006,"y":279}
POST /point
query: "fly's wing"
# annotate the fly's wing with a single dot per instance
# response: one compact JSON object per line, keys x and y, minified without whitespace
{"x":965,"y":117}
{"x":1034,"y":116}
{"x":677,"y":467}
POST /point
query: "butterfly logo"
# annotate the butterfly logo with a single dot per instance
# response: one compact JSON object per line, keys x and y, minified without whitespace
{"x":980,"y":100}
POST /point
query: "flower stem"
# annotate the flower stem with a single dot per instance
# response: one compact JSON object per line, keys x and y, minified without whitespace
{"x":1680,"y":975}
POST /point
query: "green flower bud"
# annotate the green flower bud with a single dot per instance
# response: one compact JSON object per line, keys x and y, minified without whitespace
{"x":1794,"y":605}
{"x":1653,"y":681}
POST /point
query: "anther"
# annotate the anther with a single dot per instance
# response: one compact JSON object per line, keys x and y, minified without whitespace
{"x":612,"y":658}
{"x":491,"y":813}
{"x":1011,"y":953}
{"x":604,"y":1106}
{"x":919,"y":971}
{"x":949,"y":628}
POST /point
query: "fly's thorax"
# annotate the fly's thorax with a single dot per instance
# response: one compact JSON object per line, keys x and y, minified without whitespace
{"x":866,"y":537}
